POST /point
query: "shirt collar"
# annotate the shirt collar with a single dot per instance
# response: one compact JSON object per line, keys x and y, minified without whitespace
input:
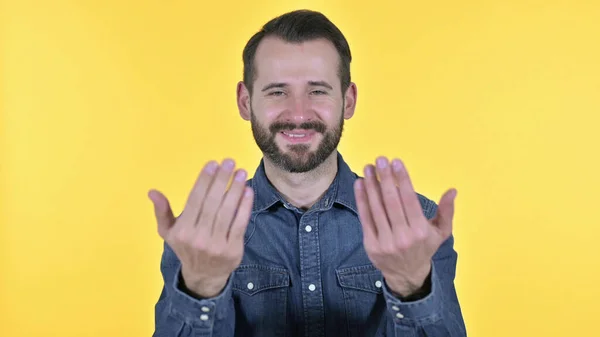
{"x":341,"y":190}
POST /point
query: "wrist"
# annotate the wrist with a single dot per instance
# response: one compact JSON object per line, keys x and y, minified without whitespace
{"x":415,"y":286}
{"x":203,"y":288}
{"x":402,"y":289}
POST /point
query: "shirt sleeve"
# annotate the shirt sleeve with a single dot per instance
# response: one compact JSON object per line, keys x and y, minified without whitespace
{"x":438,"y":313}
{"x":179,"y":314}
{"x":423,"y":309}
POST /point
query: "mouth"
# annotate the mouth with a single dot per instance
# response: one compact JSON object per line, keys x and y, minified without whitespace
{"x":297,"y":136}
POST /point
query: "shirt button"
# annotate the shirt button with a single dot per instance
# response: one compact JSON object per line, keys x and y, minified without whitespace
{"x":312,"y":287}
{"x":395,"y":308}
{"x":250,"y":285}
{"x":204,"y":317}
{"x":378,"y":284}
{"x":308,"y":228}
{"x":205,"y":309}
{"x":399,"y":315}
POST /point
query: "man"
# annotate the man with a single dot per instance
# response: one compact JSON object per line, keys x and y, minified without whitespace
{"x":305,"y":247}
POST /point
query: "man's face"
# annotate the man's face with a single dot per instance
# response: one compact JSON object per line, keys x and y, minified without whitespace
{"x":297,"y":108}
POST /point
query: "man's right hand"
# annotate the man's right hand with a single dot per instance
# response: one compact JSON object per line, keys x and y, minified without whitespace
{"x":208,"y":236}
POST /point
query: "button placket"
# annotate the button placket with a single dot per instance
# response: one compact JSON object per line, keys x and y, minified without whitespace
{"x":310,"y":266}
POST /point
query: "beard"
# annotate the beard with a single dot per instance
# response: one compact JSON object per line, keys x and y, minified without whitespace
{"x":299,"y":158}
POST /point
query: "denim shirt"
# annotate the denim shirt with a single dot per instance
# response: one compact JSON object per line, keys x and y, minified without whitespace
{"x":306,"y":273}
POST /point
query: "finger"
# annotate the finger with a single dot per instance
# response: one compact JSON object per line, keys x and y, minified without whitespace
{"x":408,"y":196}
{"x":242,"y":217}
{"x":391,"y":197}
{"x":228,"y":206}
{"x":214,"y":197}
{"x":198,"y":194}
{"x":364,"y":214}
{"x":373,"y":190}
{"x":443,"y":218}
{"x":163,"y":212}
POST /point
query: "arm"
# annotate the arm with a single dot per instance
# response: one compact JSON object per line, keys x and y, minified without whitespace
{"x":202,"y":248}
{"x":437,"y":312}
{"x":178,"y":313}
{"x":409,"y":238}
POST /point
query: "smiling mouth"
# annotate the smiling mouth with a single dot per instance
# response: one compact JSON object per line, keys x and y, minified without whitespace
{"x":297,"y":136}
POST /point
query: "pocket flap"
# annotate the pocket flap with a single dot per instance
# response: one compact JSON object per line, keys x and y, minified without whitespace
{"x":366,"y":278}
{"x":251,"y":279}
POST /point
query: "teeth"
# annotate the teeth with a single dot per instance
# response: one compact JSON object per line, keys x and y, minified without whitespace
{"x":295,"y":135}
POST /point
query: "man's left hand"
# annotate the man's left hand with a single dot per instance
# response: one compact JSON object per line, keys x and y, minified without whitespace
{"x":398,"y":238}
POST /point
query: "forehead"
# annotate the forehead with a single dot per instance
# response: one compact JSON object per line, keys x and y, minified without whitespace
{"x":278,"y":60}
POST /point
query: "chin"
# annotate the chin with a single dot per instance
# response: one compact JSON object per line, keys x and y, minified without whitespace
{"x":298,"y":150}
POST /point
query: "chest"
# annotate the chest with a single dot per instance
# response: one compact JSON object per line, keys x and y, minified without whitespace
{"x":283,"y":238}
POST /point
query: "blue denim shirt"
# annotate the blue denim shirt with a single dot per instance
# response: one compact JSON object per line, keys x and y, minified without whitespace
{"x":306,"y":273}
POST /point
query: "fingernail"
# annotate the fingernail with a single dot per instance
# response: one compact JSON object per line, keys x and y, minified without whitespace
{"x":240,"y":175}
{"x":359,"y":184}
{"x":369,"y":171}
{"x":211,"y":167}
{"x":228,"y":164}
{"x":397,"y":165}
{"x":382,"y":162}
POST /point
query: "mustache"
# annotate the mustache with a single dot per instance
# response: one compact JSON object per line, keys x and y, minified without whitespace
{"x":311,"y":125}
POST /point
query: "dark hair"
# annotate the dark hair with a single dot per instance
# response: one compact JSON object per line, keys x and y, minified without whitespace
{"x":296,"y":27}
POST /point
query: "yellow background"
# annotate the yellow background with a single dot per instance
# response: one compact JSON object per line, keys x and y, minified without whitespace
{"x":102,"y":100}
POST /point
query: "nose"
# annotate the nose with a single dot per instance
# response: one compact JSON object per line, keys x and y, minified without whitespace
{"x":298,"y":111}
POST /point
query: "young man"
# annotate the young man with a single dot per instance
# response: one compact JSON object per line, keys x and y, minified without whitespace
{"x":305,"y":247}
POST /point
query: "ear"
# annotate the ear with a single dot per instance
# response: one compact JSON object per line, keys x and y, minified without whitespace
{"x":243,"y":100}
{"x":350,"y":97}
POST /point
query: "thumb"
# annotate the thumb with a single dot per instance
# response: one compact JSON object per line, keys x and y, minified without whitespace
{"x":445,"y":213}
{"x":162,"y":211}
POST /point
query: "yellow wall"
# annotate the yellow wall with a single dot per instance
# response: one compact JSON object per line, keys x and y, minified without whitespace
{"x":102,"y":100}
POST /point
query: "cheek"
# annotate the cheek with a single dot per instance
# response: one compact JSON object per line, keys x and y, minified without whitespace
{"x":271,"y":113}
{"x":328,"y":110}
{"x":265,"y":111}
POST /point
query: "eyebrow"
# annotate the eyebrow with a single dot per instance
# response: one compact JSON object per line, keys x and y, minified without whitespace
{"x":283,"y":85}
{"x":273,"y":85}
{"x":320,"y":84}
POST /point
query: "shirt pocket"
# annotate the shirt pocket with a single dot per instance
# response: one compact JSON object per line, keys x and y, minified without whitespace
{"x":363,"y":300}
{"x":260,"y":295}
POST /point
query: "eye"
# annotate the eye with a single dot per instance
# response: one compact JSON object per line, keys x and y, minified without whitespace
{"x":276,"y":93}
{"x":318,"y":92}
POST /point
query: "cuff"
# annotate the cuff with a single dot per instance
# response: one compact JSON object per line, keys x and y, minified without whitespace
{"x":201,"y":313}
{"x":425,"y":310}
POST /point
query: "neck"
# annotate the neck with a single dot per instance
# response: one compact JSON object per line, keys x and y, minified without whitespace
{"x":303,"y":190}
